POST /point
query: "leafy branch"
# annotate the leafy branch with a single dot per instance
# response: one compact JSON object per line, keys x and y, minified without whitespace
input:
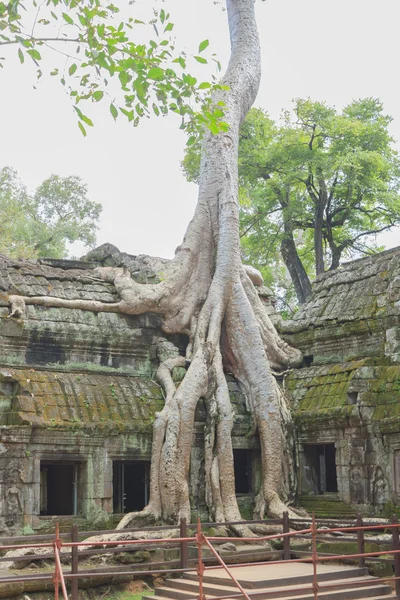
{"x":106,"y":63}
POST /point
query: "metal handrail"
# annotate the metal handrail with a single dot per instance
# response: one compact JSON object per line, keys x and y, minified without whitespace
{"x":58,"y":573}
{"x":200,"y":539}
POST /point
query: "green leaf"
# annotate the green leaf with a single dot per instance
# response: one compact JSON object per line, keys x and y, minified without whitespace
{"x":88,"y":121}
{"x":200,"y":59}
{"x":97,"y":96}
{"x":204,"y":86}
{"x":21,"y":55}
{"x":124,"y":78}
{"x":127,"y":113}
{"x":83,"y":130}
{"x":68,"y":19}
{"x":191,"y":140}
{"x":72,"y":69}
{"x":113,"y":111}
{"x":83,"y":117}
{"x":203,"y":45}
{"x":156,"y":73}
{"x":35,"y":54}
{"x":181,"y":61}
{"x":169,"y":27}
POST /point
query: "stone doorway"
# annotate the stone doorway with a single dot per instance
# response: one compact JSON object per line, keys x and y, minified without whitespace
{"x":319,"y":471}
{"x":130,"y":485}
{"x":242,"y":461}
{"x":59,"y":488}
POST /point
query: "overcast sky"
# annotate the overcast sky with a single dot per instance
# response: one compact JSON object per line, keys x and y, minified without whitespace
{"x":334,"y":51}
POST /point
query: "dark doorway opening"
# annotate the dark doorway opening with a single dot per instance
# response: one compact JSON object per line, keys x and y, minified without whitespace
{"x":320,"y":468}
{"x":130,"y":485}
{"x":58,"y":488}
{"x":308,"y":360}
{"x":242,"y":461}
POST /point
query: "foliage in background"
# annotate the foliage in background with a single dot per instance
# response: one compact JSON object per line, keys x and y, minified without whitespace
{"x":105,"y":59}
{"x":316,"y":188}
{"x":43,"y":223}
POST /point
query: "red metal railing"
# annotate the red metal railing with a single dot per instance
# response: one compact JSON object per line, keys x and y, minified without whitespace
{"x":199,"y":539}
{"x":58,"y":573}
{"x":315,"y":558}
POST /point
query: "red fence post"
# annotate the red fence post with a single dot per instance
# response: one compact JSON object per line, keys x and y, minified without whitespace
{"x":74,"y":563}
{"x":360,"y":541}
{"x":184,"y":557}
{"x":56,"y":578}
{"x":396,"y":557}
{"x":314,"y":556}
{"x":286,"y":539}
{"x":200,"y":564}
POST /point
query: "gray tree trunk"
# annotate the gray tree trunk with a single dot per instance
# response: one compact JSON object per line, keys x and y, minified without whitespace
{"x":297,"y":272}
{"x":207,"y":294}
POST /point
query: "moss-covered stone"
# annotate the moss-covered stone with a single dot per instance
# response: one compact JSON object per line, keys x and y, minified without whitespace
{"x":326,"y":506}
{"x":246,"y":507}
{"x":128,"y":558}
{"x":338,"y":547}
{"x":59,"y":399}
{"x":379,"y":569}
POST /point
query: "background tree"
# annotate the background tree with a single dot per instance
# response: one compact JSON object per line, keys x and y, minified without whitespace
{"x":43,"y":224}
{"x":317,"y":187}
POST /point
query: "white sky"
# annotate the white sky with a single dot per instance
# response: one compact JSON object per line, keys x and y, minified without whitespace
{"x":333,"y":51}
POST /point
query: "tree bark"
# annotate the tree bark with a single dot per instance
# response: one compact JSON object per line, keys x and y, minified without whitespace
{"x":318,"y":238}
{"x":320,"y":207}
{"x":297,"y":272}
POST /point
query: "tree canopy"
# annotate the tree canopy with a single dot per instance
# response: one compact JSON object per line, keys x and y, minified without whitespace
{"x":107,"y":58}
{"x":43,"y":223}
{"x":315,"y":188}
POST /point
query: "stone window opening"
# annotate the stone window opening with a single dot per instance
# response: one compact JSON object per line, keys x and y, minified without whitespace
{"x":59,"y":488}
{"x":308,"y":360}
{"x":131,"y":481}
{"x":352,"y":397}
{"x":242,"y":461}
{"x":320,"y":468}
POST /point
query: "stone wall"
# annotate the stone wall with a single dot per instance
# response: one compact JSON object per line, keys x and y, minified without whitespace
{"x":77,"y":388}
{"x":348,"y":392}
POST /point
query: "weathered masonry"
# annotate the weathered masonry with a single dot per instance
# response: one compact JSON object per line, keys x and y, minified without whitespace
{"x":346,"y":399}
{"x":78,"y":398}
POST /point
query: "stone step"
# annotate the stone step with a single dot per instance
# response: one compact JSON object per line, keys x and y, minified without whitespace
{"x":377,"y":592}
{"x":186,"y":588}
{"x":358,"y":592}
{"x":289,"y":580}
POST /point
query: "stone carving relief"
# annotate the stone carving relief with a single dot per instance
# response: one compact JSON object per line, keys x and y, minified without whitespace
{"x":12,"y":497}
{"x":356,"y":485}
{"x":379,"y":487}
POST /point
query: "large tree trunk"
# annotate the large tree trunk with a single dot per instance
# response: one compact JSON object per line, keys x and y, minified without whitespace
{"x":297,"y":272}
{"x":207,"y":294}
{"x":318,"y":238}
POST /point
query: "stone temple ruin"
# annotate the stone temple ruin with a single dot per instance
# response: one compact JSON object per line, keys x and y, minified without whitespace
{"x":78,"y":398}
